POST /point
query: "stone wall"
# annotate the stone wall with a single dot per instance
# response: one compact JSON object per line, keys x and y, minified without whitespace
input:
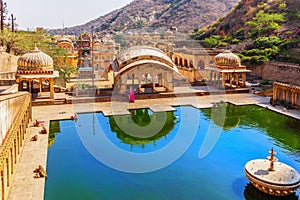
{"x":192,"y":75}
{"x":278,"y":71}
{"x":8,"y":62}
{"x":15,"y":113}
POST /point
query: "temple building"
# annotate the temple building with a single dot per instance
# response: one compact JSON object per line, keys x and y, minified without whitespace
{"x":35,"y":71}
{"x":84,"y":47}
{"x":146,"y":69}
{"x":227,"y":71}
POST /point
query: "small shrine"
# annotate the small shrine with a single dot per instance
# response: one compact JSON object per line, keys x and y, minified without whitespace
{"x":227,"y":71}
{"x":35,"y":70}
{"x":272,"y":177}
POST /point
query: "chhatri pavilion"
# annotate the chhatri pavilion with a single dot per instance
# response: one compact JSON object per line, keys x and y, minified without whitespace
{"x":227,"y":71}
{"x":35,"y":69}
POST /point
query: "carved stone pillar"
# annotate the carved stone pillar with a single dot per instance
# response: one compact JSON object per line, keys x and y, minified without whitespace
{"x":153,"y":81}
{"x":210,"y":77}
{"x":51,"y":88}
{"x":29,"y":86}
{"x":219,"y":80}
{"x":237,"y":79}
{"x":223,"y":80}
{"x":275,"y":88}
{"x":40,"y":86}
{"x":293,"y":100}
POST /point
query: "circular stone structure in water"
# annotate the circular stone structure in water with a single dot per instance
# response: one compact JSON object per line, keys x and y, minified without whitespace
{"x":282,"y":180}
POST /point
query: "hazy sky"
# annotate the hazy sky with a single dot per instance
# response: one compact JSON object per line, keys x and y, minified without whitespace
{"x":54,"y":13}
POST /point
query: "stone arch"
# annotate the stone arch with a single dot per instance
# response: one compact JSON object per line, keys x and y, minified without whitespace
{"x":176,"y":60}
{"x":201,"y":64}
{"x":180,"y":62}
{"x":185,"y":63}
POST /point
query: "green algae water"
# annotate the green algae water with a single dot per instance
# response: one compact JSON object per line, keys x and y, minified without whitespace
{"x":249,"y":132}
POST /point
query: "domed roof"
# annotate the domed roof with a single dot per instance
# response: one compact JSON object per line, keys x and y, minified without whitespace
{"x":227,"y":58}
{"x":36,"y":61}
{"x":65,"y":39}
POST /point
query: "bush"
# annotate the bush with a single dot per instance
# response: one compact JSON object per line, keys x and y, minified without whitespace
{"x":258,"y":60}
{"x":267,"y":42}
{"x":211,"y":42}
{"x":240,"y":34}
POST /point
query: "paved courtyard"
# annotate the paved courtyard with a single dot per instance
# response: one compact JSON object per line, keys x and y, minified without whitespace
{"x":25,"y":186}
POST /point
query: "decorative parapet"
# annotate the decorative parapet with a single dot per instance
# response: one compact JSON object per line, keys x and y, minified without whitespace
{"x":286,"y":86}
{"x":7,"y":75}
{"x":287,"y":93}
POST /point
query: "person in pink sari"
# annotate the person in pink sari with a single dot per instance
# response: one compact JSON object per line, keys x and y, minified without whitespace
{"x":131,"y":95}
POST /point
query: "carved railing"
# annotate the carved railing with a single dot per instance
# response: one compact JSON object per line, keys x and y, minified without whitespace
{"x":15,"y":115}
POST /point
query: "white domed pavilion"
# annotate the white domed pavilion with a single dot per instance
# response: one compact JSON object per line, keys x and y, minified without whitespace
{"x":33,"y":67}
{"x":227,"y":71}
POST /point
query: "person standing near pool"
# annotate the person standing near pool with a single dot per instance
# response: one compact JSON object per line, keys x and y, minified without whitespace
{"x":131,"y":95}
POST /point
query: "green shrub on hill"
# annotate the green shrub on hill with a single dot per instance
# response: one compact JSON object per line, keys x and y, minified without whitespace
{"x":264,"y":49}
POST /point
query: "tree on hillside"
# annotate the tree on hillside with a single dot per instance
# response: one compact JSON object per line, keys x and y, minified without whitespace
{"x":263,"y":22}
{"x":8,"y":40}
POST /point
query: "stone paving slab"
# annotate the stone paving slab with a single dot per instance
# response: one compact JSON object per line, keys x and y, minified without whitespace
{"x":115,"y":112}
{"x":246,"y":99}
{"x":159,"y":108}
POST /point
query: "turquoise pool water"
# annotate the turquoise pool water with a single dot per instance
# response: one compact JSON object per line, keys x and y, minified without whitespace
{"x":249,"y":133}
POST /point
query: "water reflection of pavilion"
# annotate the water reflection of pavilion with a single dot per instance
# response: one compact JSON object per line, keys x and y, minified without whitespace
{"x":142,"y":118}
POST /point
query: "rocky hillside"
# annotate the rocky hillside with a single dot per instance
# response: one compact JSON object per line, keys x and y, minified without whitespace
{"x":157,"y":14}
{"x":237,"y":22}
{"x":260,"y":30}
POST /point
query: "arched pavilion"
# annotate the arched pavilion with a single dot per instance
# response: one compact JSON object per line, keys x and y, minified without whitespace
{"x":35,"y":67}
{"x":143,"y":67}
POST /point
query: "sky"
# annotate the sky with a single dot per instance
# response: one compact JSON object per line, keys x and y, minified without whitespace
{"x":31,"y":14}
